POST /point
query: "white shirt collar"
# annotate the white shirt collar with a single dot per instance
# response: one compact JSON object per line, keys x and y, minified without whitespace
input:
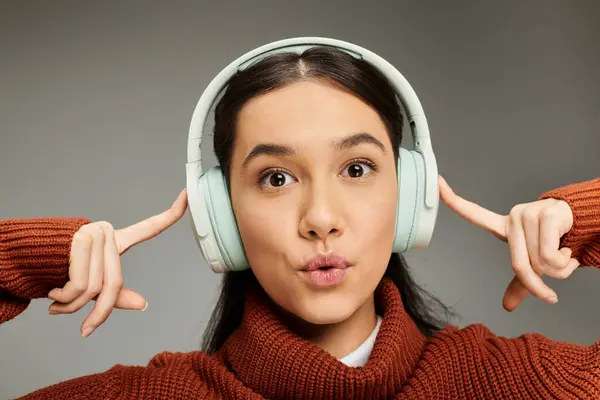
{"x":359,"y":357}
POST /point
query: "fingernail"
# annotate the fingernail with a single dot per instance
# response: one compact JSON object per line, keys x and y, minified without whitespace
{"x":144,"y":309}
{"x":86,"y":331}
{"x":52,"y":311}
{"x":553,"y":299}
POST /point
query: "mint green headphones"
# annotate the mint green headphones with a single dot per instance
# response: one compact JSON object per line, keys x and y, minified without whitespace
{"x":213,"y":221}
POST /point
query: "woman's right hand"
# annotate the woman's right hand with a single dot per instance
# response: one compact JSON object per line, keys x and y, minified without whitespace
{"x":95,"y":266}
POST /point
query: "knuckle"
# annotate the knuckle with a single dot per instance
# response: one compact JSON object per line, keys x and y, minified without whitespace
{"x":545,"y":257}
{"x":530,"y":214}
{"x":548,"y":212}
{"x":555,"y":202}
{"x":82,"y":235}
{"x":97,"y":232}
{"x":537,"y":267}
{"x":94,"y":289}
{"x":516,"y":210}
{"x":562,"y":274}
{"x":546,"y":253}
{"x":514,"y":218}
{"x":517,"y":268}
{"x":117,"y":284}
{"x":106,"y":226}
{"x":80,"y":287}
{"x":93,"y":230}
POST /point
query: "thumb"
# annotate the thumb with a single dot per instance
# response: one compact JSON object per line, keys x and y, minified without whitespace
{"x":130,"y":300}
{"x":514,"y":295}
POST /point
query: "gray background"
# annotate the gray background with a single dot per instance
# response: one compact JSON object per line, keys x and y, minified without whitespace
{"x":95,"y":102}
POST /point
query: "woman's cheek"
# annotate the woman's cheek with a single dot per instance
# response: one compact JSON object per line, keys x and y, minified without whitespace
{"x":378,"y":218}
{"x":266,"y":231}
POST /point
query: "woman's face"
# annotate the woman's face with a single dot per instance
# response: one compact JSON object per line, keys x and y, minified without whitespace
{"x":313,"y":175}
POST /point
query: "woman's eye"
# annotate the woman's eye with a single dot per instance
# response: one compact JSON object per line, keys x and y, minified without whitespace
{"x":276,"y":179}
{"x":357,"y":170}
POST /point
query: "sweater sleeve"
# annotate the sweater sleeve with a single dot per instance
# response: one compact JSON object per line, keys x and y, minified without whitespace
{"x":34,"y":259}
{"x":478,"y":364}
{"x":105,"y":385}
{"x":168,"y":376}
{"x":584,"y":237}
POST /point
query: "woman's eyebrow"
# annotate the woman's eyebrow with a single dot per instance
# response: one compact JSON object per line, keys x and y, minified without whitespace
{"x":270,"y":149}
{"x":282,"y":150}
{"x":356,"y":139}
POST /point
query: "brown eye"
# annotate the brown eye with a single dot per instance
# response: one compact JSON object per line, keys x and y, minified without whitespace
{"x":357,"y":170}
{"x":276,"y":179}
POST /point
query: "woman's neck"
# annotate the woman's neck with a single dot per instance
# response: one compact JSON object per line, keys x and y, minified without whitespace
{"x":341,"y":338}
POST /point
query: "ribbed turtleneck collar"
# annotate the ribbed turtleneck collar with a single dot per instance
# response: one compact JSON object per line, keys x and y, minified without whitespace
{"x":273,"y":361}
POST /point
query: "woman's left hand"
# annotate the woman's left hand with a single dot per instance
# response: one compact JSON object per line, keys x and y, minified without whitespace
{"x":533,"y":232}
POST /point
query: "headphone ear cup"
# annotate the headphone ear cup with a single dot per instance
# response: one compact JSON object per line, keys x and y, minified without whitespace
{"x":222,"y":220}
{"x":411,"y":188}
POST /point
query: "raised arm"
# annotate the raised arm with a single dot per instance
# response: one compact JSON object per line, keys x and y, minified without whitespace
{"x":73,"y":261}
{"x":34,"y":259}
{"x":551,"y":236}
{"x":62,"y":258}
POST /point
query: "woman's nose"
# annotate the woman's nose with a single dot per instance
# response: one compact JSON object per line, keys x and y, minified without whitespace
{"x":321,"y":217}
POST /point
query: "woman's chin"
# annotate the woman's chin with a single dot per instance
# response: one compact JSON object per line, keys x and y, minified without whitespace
{"x":326,"y":311}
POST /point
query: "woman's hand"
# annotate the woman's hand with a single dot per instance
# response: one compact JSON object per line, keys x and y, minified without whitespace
{"x":95,"y":266}
{"x":533,"y":232}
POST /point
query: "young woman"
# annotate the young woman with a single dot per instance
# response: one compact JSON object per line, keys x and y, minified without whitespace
{"x":309,"y":144}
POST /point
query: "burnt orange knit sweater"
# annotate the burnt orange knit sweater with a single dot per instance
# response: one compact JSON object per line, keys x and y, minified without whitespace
{"x":264,"y":359}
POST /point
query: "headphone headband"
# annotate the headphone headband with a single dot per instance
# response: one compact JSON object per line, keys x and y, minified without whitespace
{"x":407,"y":96}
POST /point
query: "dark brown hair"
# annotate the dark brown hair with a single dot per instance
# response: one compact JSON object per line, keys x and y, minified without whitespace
{"x":362,"y":80}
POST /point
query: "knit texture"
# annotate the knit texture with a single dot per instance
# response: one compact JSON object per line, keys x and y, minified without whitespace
{"x":34,"y":259}
{"x":584,"y":199}
{"x":263,"y":358}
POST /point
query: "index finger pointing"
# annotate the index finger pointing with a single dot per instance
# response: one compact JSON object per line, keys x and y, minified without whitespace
{"x":151,"y":227}
{"x":474,"y":213}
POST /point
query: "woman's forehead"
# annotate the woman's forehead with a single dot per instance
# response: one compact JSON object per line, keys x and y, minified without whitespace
{"x":306,"y":111}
